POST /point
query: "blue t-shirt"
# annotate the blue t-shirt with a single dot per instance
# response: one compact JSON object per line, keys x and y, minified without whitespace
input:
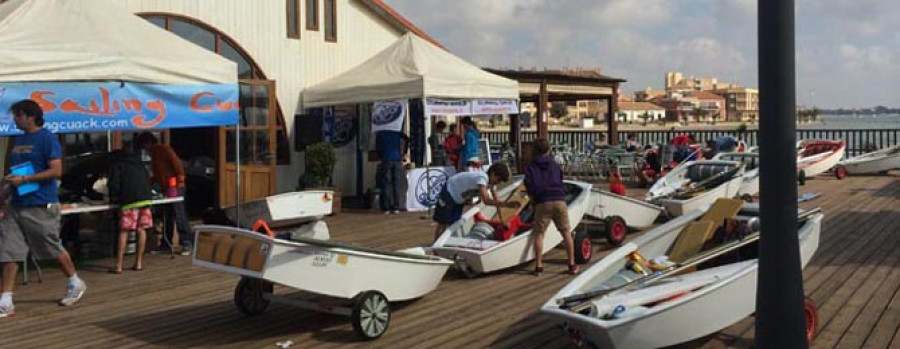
{"x":38,"y":148}
{"x":470,"y":146}
{"x":388,"y":145}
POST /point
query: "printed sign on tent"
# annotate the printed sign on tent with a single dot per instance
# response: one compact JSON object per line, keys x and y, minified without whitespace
{"x":494,"y":106}
{"x":110,"y":106}
{"x":388,"y":115}
{"x":425,"y":185}
{"x":434,"y":106}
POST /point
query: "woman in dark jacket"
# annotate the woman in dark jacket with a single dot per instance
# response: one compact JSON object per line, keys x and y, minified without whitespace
{"x":129,"y":187}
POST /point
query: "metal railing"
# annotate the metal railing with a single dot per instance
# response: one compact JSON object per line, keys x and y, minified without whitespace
{"x":858,"y":140}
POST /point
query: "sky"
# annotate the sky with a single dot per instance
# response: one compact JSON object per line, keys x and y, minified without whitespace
{"x":848,"y":51}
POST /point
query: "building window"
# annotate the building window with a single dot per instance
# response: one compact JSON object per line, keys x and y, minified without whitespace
{"x":312,"y":14}
{"x":293,"y":19}
{"x":330,"y":20}
{"x":201,"y":34}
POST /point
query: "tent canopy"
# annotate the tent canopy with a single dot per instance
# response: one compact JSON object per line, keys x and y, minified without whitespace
{"x":97,"y":40}
{"x":410,"y":68}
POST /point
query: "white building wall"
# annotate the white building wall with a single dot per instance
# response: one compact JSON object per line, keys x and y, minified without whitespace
{"x":260,"y":28}
{"x":635,"y":115}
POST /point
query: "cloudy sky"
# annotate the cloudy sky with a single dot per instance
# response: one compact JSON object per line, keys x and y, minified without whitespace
{"x":848,"y":52}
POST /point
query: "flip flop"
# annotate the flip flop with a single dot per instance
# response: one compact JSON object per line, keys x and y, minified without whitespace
{"x":137,"y":269}
{"x":114,"y":271}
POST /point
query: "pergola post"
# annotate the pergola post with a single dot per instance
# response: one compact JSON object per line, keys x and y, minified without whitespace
{"x":515,"y":132}
{"x":780,"y":320}
{"x":612,"y":135}
{"x":543,"y":113}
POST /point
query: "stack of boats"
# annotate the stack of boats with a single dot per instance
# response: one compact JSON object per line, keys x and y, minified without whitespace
{"x":703,"y":261}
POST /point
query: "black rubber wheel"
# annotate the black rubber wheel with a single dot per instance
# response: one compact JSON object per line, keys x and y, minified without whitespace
{"x":840,"y":172}
{"x":801,"y":177}
{"x":251,"y":295}
{"x":616,"y":230}
{"x":747,"y":198}
{"x":583,"y":248}
{"x":371,"y":315}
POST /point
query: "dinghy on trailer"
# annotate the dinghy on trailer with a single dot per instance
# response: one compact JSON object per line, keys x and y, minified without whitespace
{"x":815,"y":157}
{"x":619,"y":213}
{"x":476,"y":249}
{"x":648,"y":293}
{"x":695,"y":184}
{"x":879,"y":161}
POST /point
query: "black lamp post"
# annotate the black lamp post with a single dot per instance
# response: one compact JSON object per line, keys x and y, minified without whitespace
{"x":779,"y":302}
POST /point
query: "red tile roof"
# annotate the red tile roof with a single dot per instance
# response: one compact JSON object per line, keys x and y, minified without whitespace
{"x":705,"y":95}
{"x":392,"y":16}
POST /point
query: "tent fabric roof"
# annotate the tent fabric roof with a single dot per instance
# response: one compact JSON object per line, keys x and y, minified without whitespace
{"x":410,"y":68}
{"x":64,"y":40}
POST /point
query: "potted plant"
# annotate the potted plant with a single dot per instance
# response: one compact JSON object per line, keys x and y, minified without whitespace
{"x":319,"y":165}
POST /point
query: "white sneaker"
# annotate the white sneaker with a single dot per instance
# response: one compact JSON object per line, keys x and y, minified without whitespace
{"x":387,"y":213}
{"x":7,"y":310}
{"x":395,"y":212}
{"x":73,"y":294}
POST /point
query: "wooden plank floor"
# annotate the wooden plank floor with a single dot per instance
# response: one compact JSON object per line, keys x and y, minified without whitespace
{"x":854,"y":279}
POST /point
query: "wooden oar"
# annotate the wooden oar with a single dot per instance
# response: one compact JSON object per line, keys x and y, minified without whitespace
{"x":580,"y":302}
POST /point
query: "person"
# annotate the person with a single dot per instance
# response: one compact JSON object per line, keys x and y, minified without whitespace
{"x":464,"y":186}
{"x":544,"y":183}
{"x":469,"y":152}
{"x":129,"y":187}
{"x":165,"y":165}
{"x":438,"y":154}
{"x":31,"y":222}
{"x":389,"y":145}
{"x":726,"y":144}
{"x":682,"y":144}
{"x":452,"y":145}
{"x":711,"y":149}
{"x":601,"y":142}
{"x":652,"y":167}
{"x":631,"y":143}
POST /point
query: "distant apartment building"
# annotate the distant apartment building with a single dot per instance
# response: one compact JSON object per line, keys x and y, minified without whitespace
{"x":742,"y":103}
{"x":676,"y":81}
{"x":639,"y":112}
{"x":696,"y":106}
{"x":647,"y":94}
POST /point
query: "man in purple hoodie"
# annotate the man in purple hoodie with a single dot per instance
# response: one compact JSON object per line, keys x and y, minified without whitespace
{"x":543,"y":180}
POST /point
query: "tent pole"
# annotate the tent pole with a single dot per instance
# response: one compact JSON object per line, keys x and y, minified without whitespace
{"x":427,"y":163}
{"x":237,"y":172}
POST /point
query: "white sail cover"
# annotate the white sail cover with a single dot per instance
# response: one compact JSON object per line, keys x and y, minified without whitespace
{"x":410,"y":68}
{"x":66,"y":40}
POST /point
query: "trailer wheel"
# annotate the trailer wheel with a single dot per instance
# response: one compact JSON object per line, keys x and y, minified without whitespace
{"x":616,"y":230}
{"x":747,"y":198}
{"x":801,"y":177}
{"x":812,"y":319}
{"x":251,"y":295}
{"x":371,"y":315}
{"x":583,"y":247}
{"x":840,"y":172}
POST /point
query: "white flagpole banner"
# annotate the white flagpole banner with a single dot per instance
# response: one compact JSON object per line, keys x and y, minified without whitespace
{"x":434,"y":106}
{"x":495,"y":106}
{"x":388,"y":115}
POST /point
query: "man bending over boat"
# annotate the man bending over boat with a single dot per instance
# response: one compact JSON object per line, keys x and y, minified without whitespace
{"x":464,"y":186}
{"x":544,"y":182}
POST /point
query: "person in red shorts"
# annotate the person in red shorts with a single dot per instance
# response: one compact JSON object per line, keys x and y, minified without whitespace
{"x":129,"y":186}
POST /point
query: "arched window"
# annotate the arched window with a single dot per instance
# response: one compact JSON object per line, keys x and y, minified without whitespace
{"x":212,"y":39}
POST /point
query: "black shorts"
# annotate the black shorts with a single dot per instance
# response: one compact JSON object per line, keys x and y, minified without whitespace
{"x":447,"y":211}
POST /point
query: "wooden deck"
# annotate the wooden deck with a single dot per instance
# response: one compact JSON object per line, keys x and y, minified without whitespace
{"x":854,"y":279}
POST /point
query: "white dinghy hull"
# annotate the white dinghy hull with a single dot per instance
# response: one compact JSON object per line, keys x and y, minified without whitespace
{"x":729,"y":297}
{"x":875,"y":162}
{"x":820,"y":163}
{"x":477,"y":256}
{"x":318,"y":266}
{"x":662,"y":192}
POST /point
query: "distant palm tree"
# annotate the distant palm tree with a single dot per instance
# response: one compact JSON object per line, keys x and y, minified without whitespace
{"x":699,"y":113}
{"x":645,"y":116}
{"x":715,"y":116}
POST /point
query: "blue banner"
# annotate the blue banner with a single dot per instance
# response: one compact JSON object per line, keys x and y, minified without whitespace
{"x":71,"y":107}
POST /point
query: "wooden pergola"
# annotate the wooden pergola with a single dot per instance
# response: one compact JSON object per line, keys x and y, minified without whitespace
{"x":545,"y":86}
